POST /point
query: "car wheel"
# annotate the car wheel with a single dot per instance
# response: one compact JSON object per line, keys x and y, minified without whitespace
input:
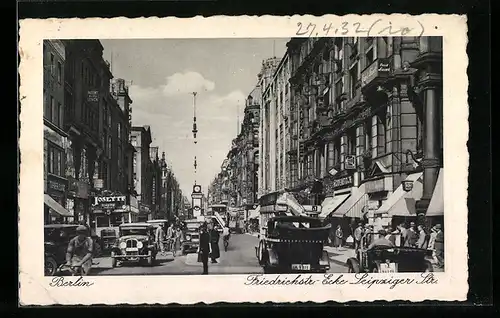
{"x":428,"y":267}
{"x":353,"y":266}
{"x":375,"y":269}
{"x":113,"y":260}
{"x":50,"y":266}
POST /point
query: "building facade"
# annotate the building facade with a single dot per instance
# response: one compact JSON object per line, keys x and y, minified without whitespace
{"x":55,"y":140}
{"x":140,"y":139}
{"x":370,"y":125}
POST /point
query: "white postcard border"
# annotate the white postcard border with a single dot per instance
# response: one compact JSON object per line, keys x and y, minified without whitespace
{"x":34,"y":287}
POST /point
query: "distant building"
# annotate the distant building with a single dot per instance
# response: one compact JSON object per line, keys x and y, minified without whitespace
{"x":140,"y":138}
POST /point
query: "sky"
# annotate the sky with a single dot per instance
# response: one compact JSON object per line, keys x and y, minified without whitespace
{"x":162,"y":75}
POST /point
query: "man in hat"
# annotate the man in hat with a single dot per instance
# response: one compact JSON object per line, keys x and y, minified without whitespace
{"x":412,"y":236}
{"x":381,"y":241}
{"x":80,"y":249}
{"x":439,"y":245}
{"x":358,"y":234}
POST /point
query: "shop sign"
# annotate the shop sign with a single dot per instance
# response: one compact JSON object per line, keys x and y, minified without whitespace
{"x":375,"y":185}
{"x":350,"y":162}
{"x":381,"y":67}
{"x":93,"y":96}
{"x":56,"y":184}
{"x":109,"y":202}
{"x":78,"y":188}
{"x":343,"y":182}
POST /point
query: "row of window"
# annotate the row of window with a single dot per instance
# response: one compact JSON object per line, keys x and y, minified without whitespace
{"x":55,"y":160}
{"x":53,"y":110}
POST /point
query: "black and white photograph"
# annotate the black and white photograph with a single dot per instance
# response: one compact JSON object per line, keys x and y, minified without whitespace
{"x":243,"y":156}
{"x":243,"y":159}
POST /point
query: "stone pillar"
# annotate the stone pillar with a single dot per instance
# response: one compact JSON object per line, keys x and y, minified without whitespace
{"x":431,"y":161}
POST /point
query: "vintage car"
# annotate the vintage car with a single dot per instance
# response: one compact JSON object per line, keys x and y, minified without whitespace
{"x":388,"y":259}
{"x":293,"y":244}
{"x":136,"y":243}
{"x":56,"y":240}
{"x":191,"y":236}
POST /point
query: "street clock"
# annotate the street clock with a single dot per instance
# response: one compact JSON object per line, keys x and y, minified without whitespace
{"x":196,"y":188}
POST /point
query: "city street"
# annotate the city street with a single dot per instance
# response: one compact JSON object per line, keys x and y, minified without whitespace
{"x":239,"y":259}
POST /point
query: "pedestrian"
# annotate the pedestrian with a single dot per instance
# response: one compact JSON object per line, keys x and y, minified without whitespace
{"x":178,"y":237}
{"x":422,"y":238}
{"x":412,"y":236}
{"x":339,"y":235}
{"x":159,"y":234}
{"x":204,"y":248}
{"x":439,"y":245}
{"x":214,"y":243}
{"x":358,"y":234}
{"x":430,"y":246}
{"x":403,"y":234}
{"x":170,"y":238}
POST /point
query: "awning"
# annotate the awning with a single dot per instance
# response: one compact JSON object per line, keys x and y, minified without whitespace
{"x":353,"y":206}
{"x":402,"y":203}
{"x":253,"y":214}
{"x":55,"y":206}
{"x":331,"y":203}
{"x":436,"y":206}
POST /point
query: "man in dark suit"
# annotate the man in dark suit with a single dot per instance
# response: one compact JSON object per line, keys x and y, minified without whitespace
{"x":204,"y":247}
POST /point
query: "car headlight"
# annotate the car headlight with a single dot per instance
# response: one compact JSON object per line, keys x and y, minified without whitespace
{"x":123,"y":245}
{"x":188,"y":237}
{"x":139,"y":245}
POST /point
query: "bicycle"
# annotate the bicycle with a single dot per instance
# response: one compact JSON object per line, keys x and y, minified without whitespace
{"x":71,"y":270}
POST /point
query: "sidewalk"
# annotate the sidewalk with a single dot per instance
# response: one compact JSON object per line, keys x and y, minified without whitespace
{"x":253,"y":234}
{"x":339,"y":256}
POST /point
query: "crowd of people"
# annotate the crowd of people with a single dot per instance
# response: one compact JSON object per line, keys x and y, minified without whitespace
{"x":402,"y":236}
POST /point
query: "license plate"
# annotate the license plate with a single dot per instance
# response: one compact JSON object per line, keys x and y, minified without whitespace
{"x":388,"y":268}
{"x":131,"y":249}
{"x":301,"y":267}
{"x":195,"y":240}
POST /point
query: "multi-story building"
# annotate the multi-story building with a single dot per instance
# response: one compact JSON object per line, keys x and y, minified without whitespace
{"x":370,"y":124}
{"x":155,"y":182}
{"x":277,"y":124}
{"x":141,"y":140}
{"x":170,"y":196}
{"x":55,"y":139}
{"x":87,"y":90}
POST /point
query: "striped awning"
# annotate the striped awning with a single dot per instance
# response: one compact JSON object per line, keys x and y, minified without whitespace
{"x":353,"y":206}
{"x":55,"y":206}
{"x":331,"y":203}
{"x":436,"y":206}
{"x":402,"y":203}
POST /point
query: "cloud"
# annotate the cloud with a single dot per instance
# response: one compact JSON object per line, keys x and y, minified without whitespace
{"x":167,"y":108}
{"x":184,"y":83}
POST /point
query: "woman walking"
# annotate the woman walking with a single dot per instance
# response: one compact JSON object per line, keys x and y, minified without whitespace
{"x":339,"y":236}
{"x":214,"y":243}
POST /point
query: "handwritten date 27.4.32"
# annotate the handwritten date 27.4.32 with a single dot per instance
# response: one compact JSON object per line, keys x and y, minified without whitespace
{"x":379,"y":27}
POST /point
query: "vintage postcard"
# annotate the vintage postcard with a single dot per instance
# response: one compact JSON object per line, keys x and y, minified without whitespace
{"x":243,"y":159}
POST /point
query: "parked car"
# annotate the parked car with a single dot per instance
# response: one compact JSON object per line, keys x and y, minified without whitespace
{"x":136,"y":243}
{"x":191,"y":236}
{"x":56,"y":240}
{"x":387,"y":259}
{"x":293,"y":244}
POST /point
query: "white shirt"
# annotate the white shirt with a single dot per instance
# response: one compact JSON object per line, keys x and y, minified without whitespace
{"x":225,"y":231}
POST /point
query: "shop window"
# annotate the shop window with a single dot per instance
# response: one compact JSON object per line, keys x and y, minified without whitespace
{"x":351,"y":141}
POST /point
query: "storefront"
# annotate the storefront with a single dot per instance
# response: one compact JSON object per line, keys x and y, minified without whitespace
{"x":400,"y":205}
{"x":110,"y":212}
{"x":435,"y":211}
{"x":144,"y":212}
{"x":77,"y":199}
{"x":55,"y":207}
